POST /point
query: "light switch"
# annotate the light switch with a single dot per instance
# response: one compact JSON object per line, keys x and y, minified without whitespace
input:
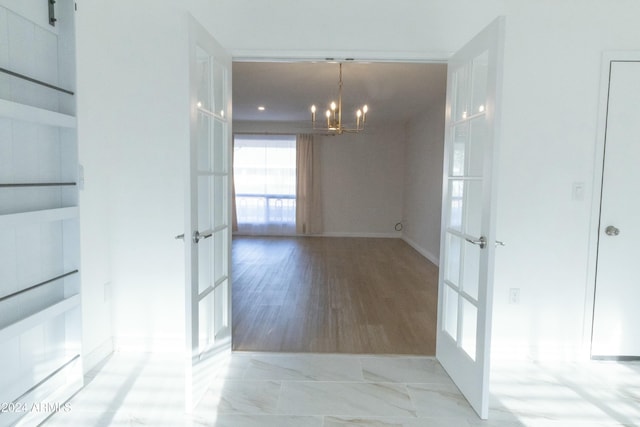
{"x":577,"y":192}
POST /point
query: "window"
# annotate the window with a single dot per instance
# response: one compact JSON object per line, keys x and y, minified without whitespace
{"x":264,"y":168}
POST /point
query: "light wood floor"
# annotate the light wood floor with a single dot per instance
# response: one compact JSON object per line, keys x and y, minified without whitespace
{"x":332,"y":295}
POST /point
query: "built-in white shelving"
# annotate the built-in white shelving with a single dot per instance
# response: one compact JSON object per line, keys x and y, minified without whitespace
{"x":40,"y":292}
{"x":34,"y":217}
{"x":39,"y":317}
{"x":28,"y":113}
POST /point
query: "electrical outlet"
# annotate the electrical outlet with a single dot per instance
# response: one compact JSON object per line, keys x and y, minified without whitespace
{"x":514,"y":296}
{"x":577,"y":191}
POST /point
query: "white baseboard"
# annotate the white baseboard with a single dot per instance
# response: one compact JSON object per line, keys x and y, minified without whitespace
{"x":97,"y":355}
{"x":367,"y":235}
{"x":519,"y":352}
{"x":142,"y":344}
{"x":425,"y":253}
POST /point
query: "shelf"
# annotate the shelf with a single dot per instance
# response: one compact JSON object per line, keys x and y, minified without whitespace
{"x":38,"y":285}
{"x":35,"y":217}
{"x":39,"y":317}
{"x":27,"y":113}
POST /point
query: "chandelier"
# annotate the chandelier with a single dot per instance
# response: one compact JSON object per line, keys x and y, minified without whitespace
{"x":333,"y":115}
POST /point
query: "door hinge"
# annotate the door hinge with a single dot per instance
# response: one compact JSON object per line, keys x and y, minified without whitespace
{"x":52,"y":13}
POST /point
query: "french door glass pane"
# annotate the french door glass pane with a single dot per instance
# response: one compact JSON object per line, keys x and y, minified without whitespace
{"x":477,"y":141}
{"x":204,"y":265}
{"x":465,"y":203}
{"x":204,"y":202}
{"x":219,"y":95}
{"x":220,"y":205}
{"x":459,"y":149}
{"x":204,"y":146}
{"x":456,"y":204}
{"x":454,"y":259}
{"x":471,"y":269}
{"x":479,"y":83}
{"x":203,"y":85}
{"x":469,"y":328}
{"x":472,"y":208}
{"x":459,"y":107}
{"x":219,"y":254}
{"x":219,"y":151}
{"x":451,"y":311}
{"x":220,"y":295}
{"x":205,"y":322}
{"x":462,"y":264}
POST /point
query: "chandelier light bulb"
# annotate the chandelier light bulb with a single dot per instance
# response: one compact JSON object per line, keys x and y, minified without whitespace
{"x":313,"y":109}
{"x":358,"y":113}
{"x":333,"y":106}
{"x":365,"y":109}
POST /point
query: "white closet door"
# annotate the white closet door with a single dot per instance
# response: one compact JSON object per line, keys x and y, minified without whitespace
{"x":616,"y":316}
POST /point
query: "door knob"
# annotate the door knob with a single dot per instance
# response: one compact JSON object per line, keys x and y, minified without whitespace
{"x":197,"y":236}
{"x":612,"y":231}
{"x":482,"y":241}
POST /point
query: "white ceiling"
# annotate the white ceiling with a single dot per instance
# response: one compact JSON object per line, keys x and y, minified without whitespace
{"x":394,"y":92}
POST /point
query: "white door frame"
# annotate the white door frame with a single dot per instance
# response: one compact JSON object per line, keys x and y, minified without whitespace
{"x":596,"y":193}
{"x":426,"y":57}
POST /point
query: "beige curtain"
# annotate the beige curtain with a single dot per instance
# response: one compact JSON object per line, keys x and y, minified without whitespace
{"x":308,"y":201}
{"x":234,"y":214}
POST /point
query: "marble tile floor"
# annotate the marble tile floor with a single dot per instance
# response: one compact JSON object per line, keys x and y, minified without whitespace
{"x":313,"y":390}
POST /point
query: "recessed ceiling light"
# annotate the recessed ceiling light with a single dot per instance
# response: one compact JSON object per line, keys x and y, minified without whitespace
{"x":261,"y":107}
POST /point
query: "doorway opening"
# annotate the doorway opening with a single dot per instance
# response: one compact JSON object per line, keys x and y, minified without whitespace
{"x":367,"y":282}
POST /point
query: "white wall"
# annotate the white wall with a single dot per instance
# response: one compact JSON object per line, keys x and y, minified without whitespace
{"x":423,"y":182}
{"x":398,"y":29}
{"x":362,"y":182}
{"x":362,"y":178}
{"x":548,"y":143}
{"x":551,"y":78}
{"x":133,"y":127}
{"x":94,"y":153}
{"x":551,"y":86}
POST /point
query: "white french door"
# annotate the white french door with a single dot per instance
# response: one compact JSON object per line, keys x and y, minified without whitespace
{"x":468,"y":215}
{"x":208,"y":214}
{"x":615,"y":314}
